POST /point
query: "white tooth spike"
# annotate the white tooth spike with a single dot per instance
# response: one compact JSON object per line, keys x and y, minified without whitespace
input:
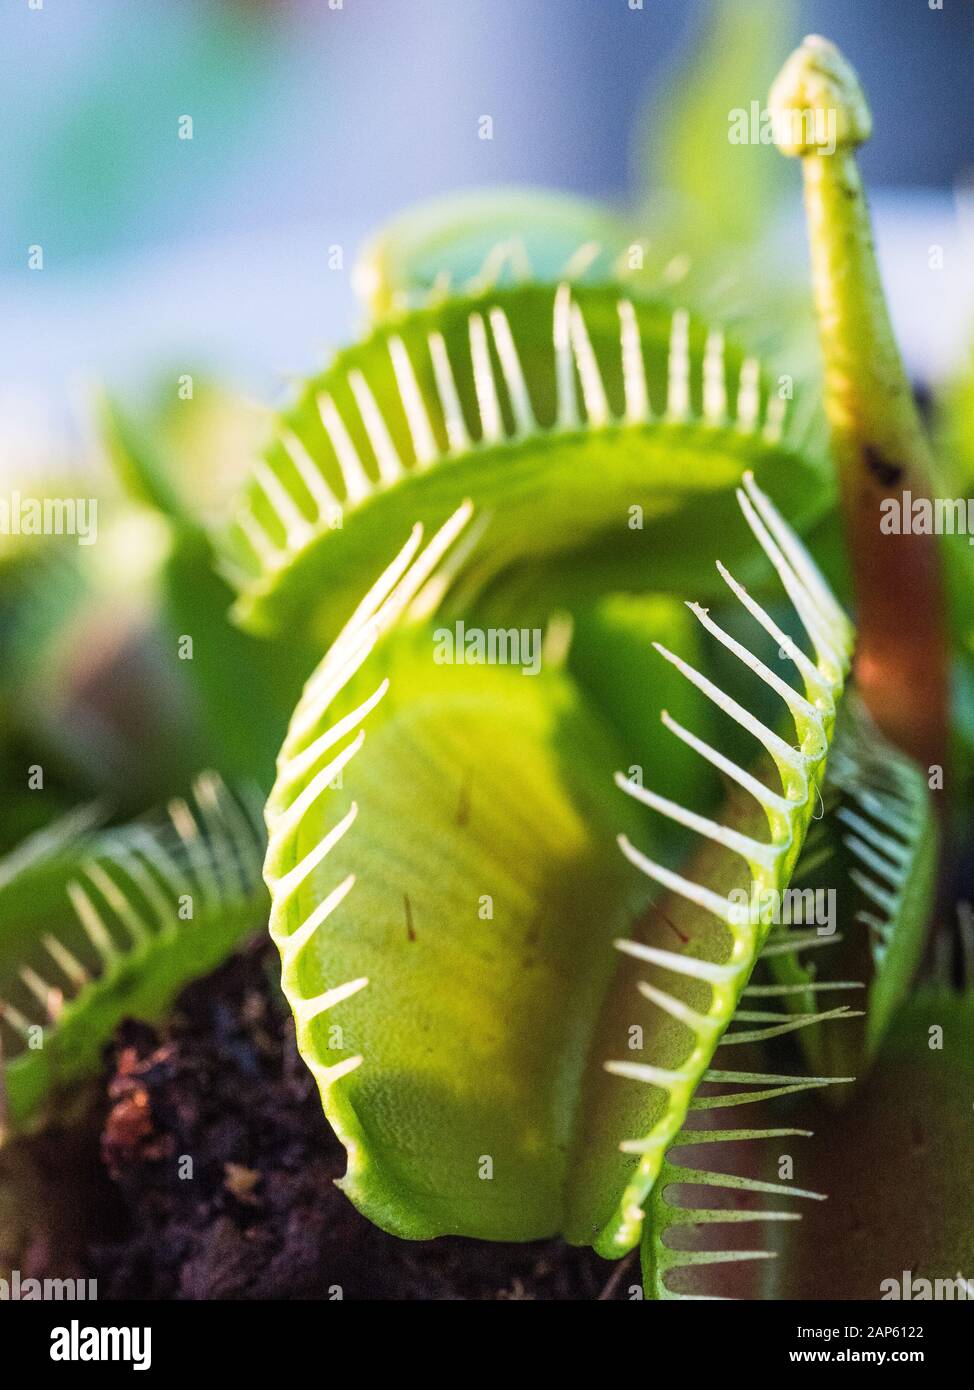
{"x":297,"y":528}
{"x":239,"y":831}
{"x":299,"y":765}
{"x":751,"y":850}
{"x":307,"y":1009}
{"x":292,"y":880}
{"x":221,"y":849}
{"x":893,"y":849}
{"x":267,"y":553}
{"x":517,"y":390}
{"x":66,"y":961}
{"x":638,"y":409}
{"x":771,"y":1093}
{"x":166,"y":868}
{"x":886,"y":902}
{"x":237,"y":576}
{"x":676,"y":1008}
{"x":90,"y":919}
{"x":593,"y":388}
{"x":749,"y":395}
{"x":798,"y":557}
{"x":425,"y":566}
{"x":509,"y":254}
{"x":567,"y":411}
{"x":17,"y":1021}
{"x":816,"y":687}
{"x":774,"y":419}
{"x":491,"y":425}
{"x":640,"y":1071}
{"x":874,"y":923}
{"x":677,"y":269}
{"x":37,"y":985}
{"x":520,"y":260}
{"x":501,"y":254}
{"x":357,"y":485}
{"x":714,"y":381}
{"x":796,"y":703}
{"x":814,"y":987}
{"x":118,"y":902}
{"x":737,"y":1136}
{"x":581,"y":260}
{"x":697,"y":1176}
{"x":814,"y":621}
{"x":309,"y":473}
{"x":293,"y":944}
{"x":320,"y":782}
{"x":772,"y":802}
{"x":712,"y":902}
{"x":719,"y":1075}
{"x":389,"y":595}
{"x":786,"y":757}
{"x":894,"y":874}
{"x":331,"y":678}
{"x":678,"y":374}
{"x":140,"y":875}
{"x":680,"y":965}
{"x":387,"y":458}
{"x":791,"y":941}
{"x":383,"y":586}
{"x":327,"y":1076}
{"x":420,"y":429}
{"x":431,"y":595}
{"x":750,"y":1035}
{"x":456,"y":426}
{"x":879,"y":807}
{"x":189,"y":833}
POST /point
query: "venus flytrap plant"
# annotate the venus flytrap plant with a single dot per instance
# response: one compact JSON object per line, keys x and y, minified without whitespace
{"x":111,"y":925}
{"x":240,"y":691}
{"x":579,"y":1137}
{"x":517,"y":1030}
{"x":877,"y":857}
{"x":580,"y":421}
{"x":444,"y":1039}
{"x":875,"y":849}
{"x":470,"y":243}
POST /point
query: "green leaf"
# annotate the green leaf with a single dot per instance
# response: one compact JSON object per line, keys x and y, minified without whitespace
{"x":443,"y":1040}
{"x":876,"y":853}
{"x":180,"y":457}
{"x":96,"y":928}
{"x":241,"y":688}
{"x":182,"y":448}
{"x":578,"y":422}
{"x":469,"y":242}
{"x":137,"y":465}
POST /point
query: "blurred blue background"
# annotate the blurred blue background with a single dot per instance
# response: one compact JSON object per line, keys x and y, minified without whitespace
{"x":312,"y":125}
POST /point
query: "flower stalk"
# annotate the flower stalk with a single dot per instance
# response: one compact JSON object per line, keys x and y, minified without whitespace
{"x":821,"y":116}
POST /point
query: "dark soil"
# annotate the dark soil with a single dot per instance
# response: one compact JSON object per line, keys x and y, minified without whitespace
{"x":223,"y":1171}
